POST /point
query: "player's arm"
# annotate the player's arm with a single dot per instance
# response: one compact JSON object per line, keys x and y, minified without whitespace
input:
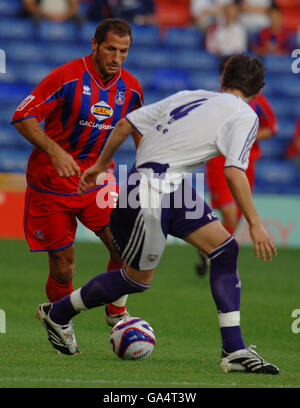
{"x":120,"y":132}
{"x":62,"y":161}
{"x":240,"y":188}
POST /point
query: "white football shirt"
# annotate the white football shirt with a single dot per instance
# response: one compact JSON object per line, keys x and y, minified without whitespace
{"x":190,"y":127}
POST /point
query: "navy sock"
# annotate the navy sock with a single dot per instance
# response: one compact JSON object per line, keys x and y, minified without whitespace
{"x":100,"y":290}
{"x":226,"y":291}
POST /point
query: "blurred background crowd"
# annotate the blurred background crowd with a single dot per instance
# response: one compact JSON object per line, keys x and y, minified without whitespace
{"x":177,"y":44}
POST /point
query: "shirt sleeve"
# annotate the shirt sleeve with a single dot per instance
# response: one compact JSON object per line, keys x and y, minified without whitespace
{"x":43,"y":99}
{"x":237,"y":138}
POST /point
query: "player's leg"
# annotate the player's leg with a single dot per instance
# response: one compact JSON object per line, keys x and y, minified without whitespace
{"x":61,"y":272}
{"x":95,"y":215}
{"x":49,"y":226}
{"x":116,"y":310}
{"x":222,"y":249}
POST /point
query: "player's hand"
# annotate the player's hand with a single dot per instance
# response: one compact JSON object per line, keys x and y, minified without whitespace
{"x":263,"y":244}
{"x":64,"y":163}
{"x":89,"y":179}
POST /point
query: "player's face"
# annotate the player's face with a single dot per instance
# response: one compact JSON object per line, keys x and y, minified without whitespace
{"x":110,"y":54}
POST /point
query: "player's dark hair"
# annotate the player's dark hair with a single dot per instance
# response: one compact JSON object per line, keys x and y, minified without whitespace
{"x":117,"y":25}
{"x":245,"y":73}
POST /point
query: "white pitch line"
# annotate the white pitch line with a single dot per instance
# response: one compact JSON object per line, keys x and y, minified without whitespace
{"x":150,"y":383}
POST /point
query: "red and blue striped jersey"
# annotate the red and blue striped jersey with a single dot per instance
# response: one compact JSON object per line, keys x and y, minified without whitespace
{"x":79,"y":113}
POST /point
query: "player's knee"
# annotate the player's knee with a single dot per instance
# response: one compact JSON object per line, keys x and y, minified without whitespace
{"x":62,"y":266}
{"x":225,"y":256}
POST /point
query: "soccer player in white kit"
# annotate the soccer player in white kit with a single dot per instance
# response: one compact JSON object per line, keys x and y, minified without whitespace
{"x":177,"y":135}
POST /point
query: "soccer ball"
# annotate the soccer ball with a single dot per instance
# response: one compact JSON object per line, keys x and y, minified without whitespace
{"x":132,"y":338}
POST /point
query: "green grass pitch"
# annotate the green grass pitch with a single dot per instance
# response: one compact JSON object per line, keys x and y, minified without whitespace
{"x":180,"y":308}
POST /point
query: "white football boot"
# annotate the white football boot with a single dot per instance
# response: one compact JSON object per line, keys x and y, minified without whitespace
{"x":60,"y":336}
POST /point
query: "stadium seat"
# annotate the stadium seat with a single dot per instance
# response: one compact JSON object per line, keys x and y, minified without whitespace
{"x":10,"y":138}
{"x":10,"y":7}
{"x":146,"y":35}
{"x":157,"y":57}
{"x":86,"y":32}
{"x":19,"y":51}
{"x":281,"y":105}
{"x":189,"y":37}
{"x":278,"y":64}
{"x":288,"y":85}
{"x":273,"y":148}
{"x":13,"y":93}
{"x":203,"y":80}
{"x":286,"y":128}
{"x":59,"y":54}
{"x":151,"y":97}
{"x":195,"y":60}
{"x":275,"y":172}
{"x":32,"y":74}
{"x":167,"y":79}
{"x":6,"y":112}
{"x":12,"y":161}
{"x":51,"y":31}
{"x":16,"y":29}
{"x":145,"y":76}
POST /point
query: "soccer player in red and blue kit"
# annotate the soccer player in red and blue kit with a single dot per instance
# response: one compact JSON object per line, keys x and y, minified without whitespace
{"x":80,"y":103}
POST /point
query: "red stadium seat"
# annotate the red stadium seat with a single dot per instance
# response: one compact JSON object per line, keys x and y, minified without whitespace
{"x":173,"y":13}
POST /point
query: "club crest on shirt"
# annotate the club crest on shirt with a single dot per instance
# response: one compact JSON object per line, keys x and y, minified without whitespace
{"x":120,"y":97}
{"x":101,"y":110}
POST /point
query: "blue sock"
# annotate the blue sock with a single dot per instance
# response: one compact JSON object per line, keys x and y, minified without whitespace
{"x":226,"y":291}
{"x":100,"y":290}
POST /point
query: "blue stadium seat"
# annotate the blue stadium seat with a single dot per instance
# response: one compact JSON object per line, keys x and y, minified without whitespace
{"x":16,"y":29}
{"x":9,"y":76}
{"x":151,"y":97}
{"x":278,"y":64}
{"x":145,"y":76}
{"x":145,"y":35}
{"x":10,"y":138}
{"x":273,"y":148}
{"x":51,"y":31}
{"x":6,"y":112}
{"x":10,"y":7}
{"x":288,"y":85}
{"x":275,"y":172}
{"x":13,"y":93}
{"x":202,"y":80}
{"x":195,"y":60}
{"x":26,"y":52}
{"x":167,"y":79}
{"x":281,"y":105}
{"x":13,"y":161}
{"x":87,"y":31}
{"x":32,"y":74}
{"x":189,"y":37}
{"x":59,"y":54}
{"x":128,"y":146}
{"x":286,"y":128}
{"x":156,"y":57}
